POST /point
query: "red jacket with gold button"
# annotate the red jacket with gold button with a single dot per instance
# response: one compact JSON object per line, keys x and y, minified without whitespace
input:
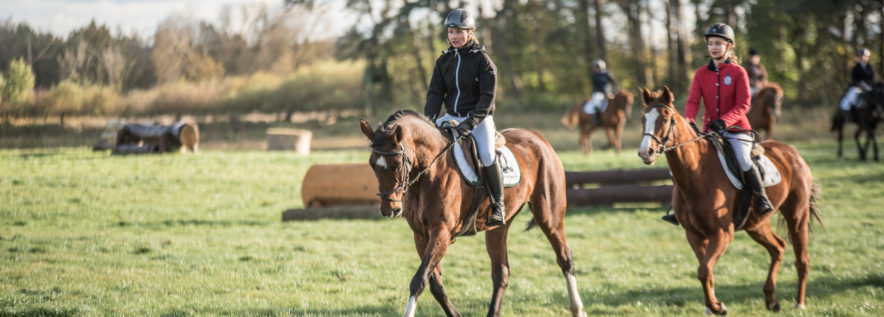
{"x":725,"y":94}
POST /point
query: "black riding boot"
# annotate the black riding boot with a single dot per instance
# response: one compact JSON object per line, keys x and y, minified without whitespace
{"x":597,"y":118}
{"x":494,"y":184}
{"x":753,"y":179}
{"x":670,"y":218}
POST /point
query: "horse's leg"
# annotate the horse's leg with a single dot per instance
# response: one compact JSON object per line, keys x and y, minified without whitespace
{"x":796,"y":211}
{"x":436,"y":245}
{"x":610,"y":134}
{"x":859,"y":147}
{"x":551,"y":220}
{"x":718,"y":243}
{"x":873,"y":140}
{"x":439,"y":292}
{"x":840,"y":129}
{"x":618,"y":136}
{"x":775,"y":247}
{"x":495,"y":244}
{"x":435,"y":280}
{"x":586,"y":139}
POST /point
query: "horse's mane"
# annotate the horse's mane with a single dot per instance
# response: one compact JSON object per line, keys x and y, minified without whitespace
{"x":393,"y":120}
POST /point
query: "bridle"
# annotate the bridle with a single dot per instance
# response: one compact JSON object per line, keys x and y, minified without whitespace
{"x":661,"y":143}
{"x":408,"y":163}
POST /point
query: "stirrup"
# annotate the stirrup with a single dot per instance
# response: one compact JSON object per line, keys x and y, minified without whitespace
{"x":497,"y":216}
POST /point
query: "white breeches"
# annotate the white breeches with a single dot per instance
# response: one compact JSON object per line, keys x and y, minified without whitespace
{"x":482,"y":133}
{"x":742,"y":145}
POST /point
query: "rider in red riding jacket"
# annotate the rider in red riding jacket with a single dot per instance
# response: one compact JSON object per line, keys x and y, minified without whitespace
{"x":723,"y":86}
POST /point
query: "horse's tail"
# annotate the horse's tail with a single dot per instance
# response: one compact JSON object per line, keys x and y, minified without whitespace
{"x":531,"y":224}
{"x":814,"y":198}
{"x":572,"y":116}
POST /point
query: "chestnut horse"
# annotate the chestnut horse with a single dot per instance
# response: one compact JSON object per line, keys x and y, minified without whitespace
{"x":766,"y":108}
{"x":613,"y":120}
{"x":703,"y":199}
{"x":419,"y":180}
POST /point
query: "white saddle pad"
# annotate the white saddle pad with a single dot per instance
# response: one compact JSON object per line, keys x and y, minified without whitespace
{"x":597,"y":103}
{"x":769,"y":174}
{"x":512,"y":174}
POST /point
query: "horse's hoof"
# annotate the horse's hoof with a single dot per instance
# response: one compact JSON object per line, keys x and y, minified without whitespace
{"x":722,"y":311}
{"x":800,"y":306}
{"x":774,"y":307}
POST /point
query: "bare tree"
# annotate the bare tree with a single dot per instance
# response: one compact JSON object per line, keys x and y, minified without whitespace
{"x":600,"y":30}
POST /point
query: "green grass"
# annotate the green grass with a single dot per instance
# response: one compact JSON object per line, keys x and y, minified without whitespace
{"x":86,"y":233}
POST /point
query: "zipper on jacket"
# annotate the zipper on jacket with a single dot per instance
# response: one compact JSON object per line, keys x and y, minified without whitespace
{"x":456,"y":79}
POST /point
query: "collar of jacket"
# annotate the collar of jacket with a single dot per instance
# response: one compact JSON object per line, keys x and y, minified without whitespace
{"x":472,"y":47}
{"x":712,"y":63}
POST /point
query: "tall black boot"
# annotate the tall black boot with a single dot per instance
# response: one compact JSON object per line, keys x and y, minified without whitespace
{"x":597,"y":118}
{"x":494,"y":184}
{"x":753,"y":180}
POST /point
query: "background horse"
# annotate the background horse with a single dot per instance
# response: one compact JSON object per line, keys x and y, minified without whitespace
{"x":703,"y":199}
{"x":418,"y":179}
{"x":866,"y":115}
{"x":765,"y":111}
{"x":613,"y":120}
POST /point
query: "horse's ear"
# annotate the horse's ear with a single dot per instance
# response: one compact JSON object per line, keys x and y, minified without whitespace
{"x":646,"y":96}
{"x":667,"y":95}
{"x":366,"y":129}
{"x":397,"y":134}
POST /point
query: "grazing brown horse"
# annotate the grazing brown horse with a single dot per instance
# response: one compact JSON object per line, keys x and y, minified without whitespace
{"x":419,"y":180}
{"x":613,"y":120}
{"x":766,"y":108}
{"x":703,"y":199}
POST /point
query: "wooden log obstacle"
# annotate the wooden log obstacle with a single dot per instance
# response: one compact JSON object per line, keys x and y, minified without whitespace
{"x":619,"y":186}
{"x":136,"y":138}
{"x":337,"y":191}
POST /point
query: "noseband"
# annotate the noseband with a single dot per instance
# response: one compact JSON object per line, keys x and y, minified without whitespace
{"x":406,"y":181}
{"x":661,"y":143}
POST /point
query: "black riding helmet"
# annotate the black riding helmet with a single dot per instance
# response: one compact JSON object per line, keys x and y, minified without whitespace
{"x":863,"y":52}
{"x":460,"y":19}
{"x":721,"y":30}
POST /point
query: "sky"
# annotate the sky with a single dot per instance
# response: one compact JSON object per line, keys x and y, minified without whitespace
{"x":60,"y":17}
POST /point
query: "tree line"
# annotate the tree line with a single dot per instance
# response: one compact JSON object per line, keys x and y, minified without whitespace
{"x":543,"y":49}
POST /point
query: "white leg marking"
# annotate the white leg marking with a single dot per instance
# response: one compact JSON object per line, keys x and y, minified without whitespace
{"x":650,"y":122}
{"x":576,"y":303}
{"x":411,"y":308}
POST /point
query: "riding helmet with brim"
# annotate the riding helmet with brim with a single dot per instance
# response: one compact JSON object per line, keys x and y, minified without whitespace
{"x":460,"y":19}
{"x":721,"y":30}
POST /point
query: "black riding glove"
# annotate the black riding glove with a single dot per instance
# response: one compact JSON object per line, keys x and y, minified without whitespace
{"x":694,"y":126}
{"x":463,"y":130}
{"x":716,"y":125}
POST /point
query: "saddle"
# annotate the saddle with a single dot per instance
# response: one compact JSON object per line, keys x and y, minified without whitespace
{"x":466,"y":158}
{"x":769,"y":174}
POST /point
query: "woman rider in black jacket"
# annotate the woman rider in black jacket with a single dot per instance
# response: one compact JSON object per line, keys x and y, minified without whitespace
{"x":464,"y":79}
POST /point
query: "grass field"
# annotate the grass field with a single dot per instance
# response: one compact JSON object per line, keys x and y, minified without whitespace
{"x":86,"y":233}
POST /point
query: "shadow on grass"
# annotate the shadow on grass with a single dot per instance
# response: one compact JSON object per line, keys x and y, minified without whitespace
{"x":817,"y":288}
{"x":191,"y":222}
